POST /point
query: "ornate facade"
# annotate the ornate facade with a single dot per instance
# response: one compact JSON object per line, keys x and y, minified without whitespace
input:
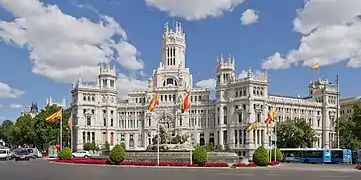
{"x":240,"y":100}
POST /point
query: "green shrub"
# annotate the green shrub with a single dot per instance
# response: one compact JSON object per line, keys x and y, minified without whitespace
{"x":279,"y":155}
{"x":200,"y":156}
{"x":210,"y":147}
{"x":261,"y":157}
{"x":117,"y":154}
{"x":65,"y":154}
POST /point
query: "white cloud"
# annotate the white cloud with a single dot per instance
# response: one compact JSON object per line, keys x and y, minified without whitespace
{"x":209,"y":83}
{"x":125,"y":83}
{"x":16,"y":106}
{"x":249,"y":16}
{"x":194,"y":9}
{"x":8,"y":92}
{"x":276,"y":62}
{"x":330,"y":34}
{"x":62,"y":46}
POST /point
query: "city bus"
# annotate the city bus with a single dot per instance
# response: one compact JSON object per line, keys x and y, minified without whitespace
{"x":341,"y":156}
{"x":315,"y":155}
{"x":356,"y":157}
{"x":306,"y":155}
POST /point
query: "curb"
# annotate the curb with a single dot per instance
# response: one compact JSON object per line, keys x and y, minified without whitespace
{"x":128,"y":166}
{"x":156,"y":167}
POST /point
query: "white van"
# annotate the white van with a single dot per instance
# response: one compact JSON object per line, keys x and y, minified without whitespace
{"x":5,"y":154}
{"x":34,"y":153}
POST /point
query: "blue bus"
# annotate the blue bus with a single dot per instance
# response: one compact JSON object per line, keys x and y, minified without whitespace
{"x":315,"y":155}
{"x":356,"y":157}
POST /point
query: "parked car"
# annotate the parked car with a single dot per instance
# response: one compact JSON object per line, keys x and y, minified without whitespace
{"x":5,"y":154}
{"x":21,"y":154}
{"x":81,"y":154}
{"x":34,"y":153}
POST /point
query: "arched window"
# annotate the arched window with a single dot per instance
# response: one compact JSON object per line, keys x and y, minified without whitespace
{"x":170,"y":81}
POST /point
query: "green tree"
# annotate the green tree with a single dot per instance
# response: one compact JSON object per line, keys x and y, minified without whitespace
{"x":279,"y":155}
{"x":106,"y":146}
{"x":261,"y":157}
{"x":349,"y":129}
{"x":210,"y":147}
{"x":90,"y":146}
{"x":6,"y":133}
{"x":295,"y":133}
{"x":65,"y":154}
{"x":200,"y":155}
{"x":117,"y":154}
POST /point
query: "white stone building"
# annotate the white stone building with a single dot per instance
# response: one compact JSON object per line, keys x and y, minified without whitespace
{"x":99,"y":117}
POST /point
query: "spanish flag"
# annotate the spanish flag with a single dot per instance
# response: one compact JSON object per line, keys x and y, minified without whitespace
{"x":271,"y":115}
{"x":252,"y":126}
{"x":154,"y":102}
{"x":70,"y":122}
{"x":186,"y":102}
{"x":315,"y":66}
{"x":55,"y":116}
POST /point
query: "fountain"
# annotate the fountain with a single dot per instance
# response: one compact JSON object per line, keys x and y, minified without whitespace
{"x":170,"y":142}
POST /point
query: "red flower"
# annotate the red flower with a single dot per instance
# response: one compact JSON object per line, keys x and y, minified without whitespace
{"x":251,"y":165}
{"x":273,"y":163}
{"x":239,"y":165}
{"x":144,"y":163}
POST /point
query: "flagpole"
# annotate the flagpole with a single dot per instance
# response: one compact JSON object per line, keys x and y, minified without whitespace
{"x":275,"y":138}
{"x":337,"y":109}
{"x":71,"y":132}
{"x":158,"y":139}
{"x":61,"y":128}
{"x":318,"y":73}
{"x":190,"y":132}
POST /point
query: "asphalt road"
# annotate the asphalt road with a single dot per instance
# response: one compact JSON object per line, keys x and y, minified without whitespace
{"x":43,"y":170}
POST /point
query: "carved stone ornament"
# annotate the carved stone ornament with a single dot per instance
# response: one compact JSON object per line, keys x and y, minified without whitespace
{"x":104,"y":99}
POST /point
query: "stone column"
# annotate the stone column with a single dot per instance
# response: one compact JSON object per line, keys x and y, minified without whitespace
{"x":206,"y":137}
{"x":145,"y":139}
{"x":136,"y":140}
{"x":231,"y":138}
{"x":127,"y":141}
{"x":221,"y":138}
{"x":221,"y":116}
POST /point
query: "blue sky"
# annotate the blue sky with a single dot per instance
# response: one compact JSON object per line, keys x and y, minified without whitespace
{"x":46,"y":46}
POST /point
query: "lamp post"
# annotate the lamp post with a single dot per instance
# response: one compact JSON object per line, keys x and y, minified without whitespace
{"x":337,"y":111}
{"x":158,"y":139}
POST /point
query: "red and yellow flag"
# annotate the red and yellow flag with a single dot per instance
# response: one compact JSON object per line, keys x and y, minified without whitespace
{"x":55,"y":116}
{"x":252,"y":126}
{"x":315,"y":66}
{"x":271,"y":116}
{"x":186,"y":102}
{"x":70,"y":121}
{"x":154,"y":102}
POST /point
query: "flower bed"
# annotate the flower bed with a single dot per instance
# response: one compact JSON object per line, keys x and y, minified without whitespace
{"x":130,"y":163}
{"x":273,"y":163}
{"x":358,"y":167}
{"x":244,"y":165}
{"x":82,"y":161}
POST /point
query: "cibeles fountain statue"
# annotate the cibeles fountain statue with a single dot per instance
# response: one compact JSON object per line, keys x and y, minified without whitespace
{"x":169,"y":139}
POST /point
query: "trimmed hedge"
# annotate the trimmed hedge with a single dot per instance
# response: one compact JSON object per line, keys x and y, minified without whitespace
{"x":200,"y":156}
{"x":279,"y":155}
{"x":261,"y":157}
{"x":117,"y":154}
{"x":65,"y":154}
